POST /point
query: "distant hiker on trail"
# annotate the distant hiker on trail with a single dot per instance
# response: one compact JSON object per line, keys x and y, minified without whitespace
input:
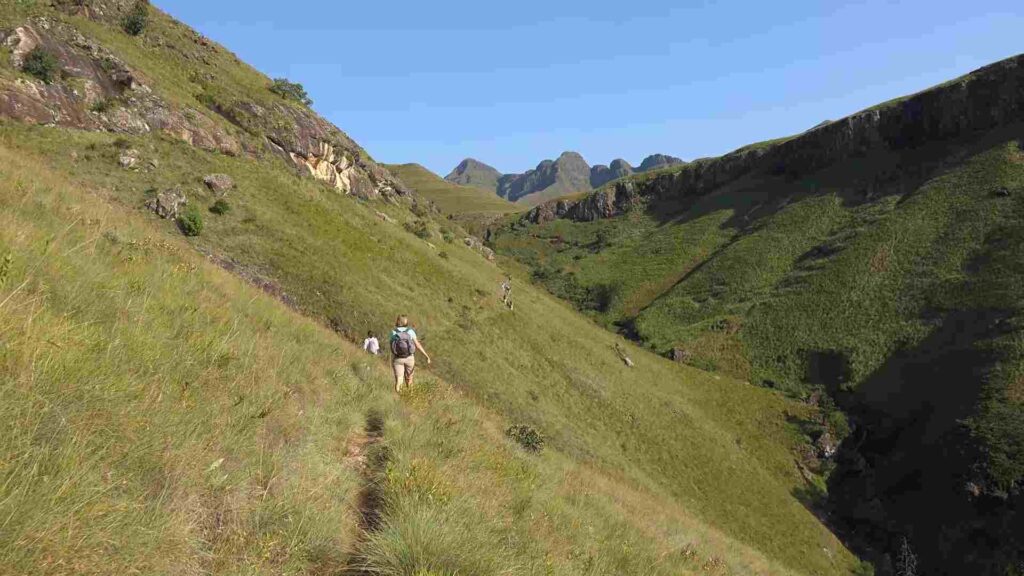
{"x":404,"y":345}
{"x":506,"y":292}
{"x":371,"y":344}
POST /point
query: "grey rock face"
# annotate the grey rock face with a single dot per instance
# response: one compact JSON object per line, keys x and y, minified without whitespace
{"x":569,"y":173}
{"x":601,"y":174}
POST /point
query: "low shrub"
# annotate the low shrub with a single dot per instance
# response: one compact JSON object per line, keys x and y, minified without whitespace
{"x":220,"y":207}
{"x":137,"y":19}
{"x":191,"y":222}
{"x":42,"y":64}
{"x":443,"y":255}
{"x":526,"y":436}
{"x":103,"y":105}
{"x":290,"y":91}
{"x":419,"y":228}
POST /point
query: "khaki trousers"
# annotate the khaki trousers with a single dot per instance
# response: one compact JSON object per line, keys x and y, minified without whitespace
{"x":404,"y":369}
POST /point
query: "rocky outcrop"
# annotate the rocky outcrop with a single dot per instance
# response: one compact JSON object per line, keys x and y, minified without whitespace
{"x":613,"y":200}
{"x":98,"y":91}
{"x":316,"y":147}
{"x":986,"y":98}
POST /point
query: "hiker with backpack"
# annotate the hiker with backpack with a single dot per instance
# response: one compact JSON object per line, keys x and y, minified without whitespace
{"x":404,"y":345}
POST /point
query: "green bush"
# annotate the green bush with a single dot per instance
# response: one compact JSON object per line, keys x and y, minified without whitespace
{"x":526,"y":436}
{"x":41,"y":64}
{"x":290,"y":91}
{"x":103,"y":105}
{"x":135,"y":22}
{"x":191,"y":222}
{"x":420,"y":210}
{"x":419,"y":228}
{"x":443,"y":255}
{"x":220,"y":207}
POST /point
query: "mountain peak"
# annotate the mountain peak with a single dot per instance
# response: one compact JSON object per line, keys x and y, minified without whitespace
{"x":472,"y":172}
{"x":655,"y":161}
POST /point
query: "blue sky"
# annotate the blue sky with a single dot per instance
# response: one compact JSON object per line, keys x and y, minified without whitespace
{"x":512,"y":83}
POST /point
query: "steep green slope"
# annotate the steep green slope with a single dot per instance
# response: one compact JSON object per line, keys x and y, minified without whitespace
{"x":451,"y":198}
{"x":887,"y":278}
{"x":166,"y":417}
{"x":136,"y":362}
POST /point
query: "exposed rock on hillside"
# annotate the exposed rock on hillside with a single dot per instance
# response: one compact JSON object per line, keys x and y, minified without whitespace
{"x":96,"y":90}
{"x":168,"y":204}
{"x":219,"y":183}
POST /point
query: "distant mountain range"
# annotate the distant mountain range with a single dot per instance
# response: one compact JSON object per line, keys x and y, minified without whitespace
{"x":567,"y":174}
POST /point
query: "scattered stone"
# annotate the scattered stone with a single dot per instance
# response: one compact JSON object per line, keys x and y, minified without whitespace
{"x":129,"y":158}
{"x":219,"y":184}
{"x":680,"y":354}
{"x":384,"y":217}
{"x":153,"y":164}
{"x":169,"y":203}
{"x":827,"y":445}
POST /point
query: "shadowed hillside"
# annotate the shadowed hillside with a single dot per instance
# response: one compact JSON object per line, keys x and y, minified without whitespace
{"x":866,"y":264}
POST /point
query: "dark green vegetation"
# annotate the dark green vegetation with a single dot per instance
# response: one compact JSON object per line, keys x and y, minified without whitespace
{"x":135,"y":22}
{"x":291,"y":91}
{"x":191,"y":222}
{"x":194,"y":404}
{"x":41,"y":64}
{"x":220,"y":207}
{"x":889,"y":279}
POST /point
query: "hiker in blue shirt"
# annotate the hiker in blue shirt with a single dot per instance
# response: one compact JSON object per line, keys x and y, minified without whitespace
{"x":404,"y":345}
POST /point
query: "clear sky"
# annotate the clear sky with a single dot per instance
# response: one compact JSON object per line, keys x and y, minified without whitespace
{"x":512,"y":83}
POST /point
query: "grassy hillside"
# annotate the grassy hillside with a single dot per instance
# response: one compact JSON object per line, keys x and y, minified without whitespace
{"x":885,"y":281}
{"x":451,"y":198}
{"x":711,"y":449}
{"x":170,"y":417}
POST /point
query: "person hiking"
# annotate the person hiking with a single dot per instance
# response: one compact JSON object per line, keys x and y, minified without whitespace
{"x":371,"y":344}
{"x":404,"y":345}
